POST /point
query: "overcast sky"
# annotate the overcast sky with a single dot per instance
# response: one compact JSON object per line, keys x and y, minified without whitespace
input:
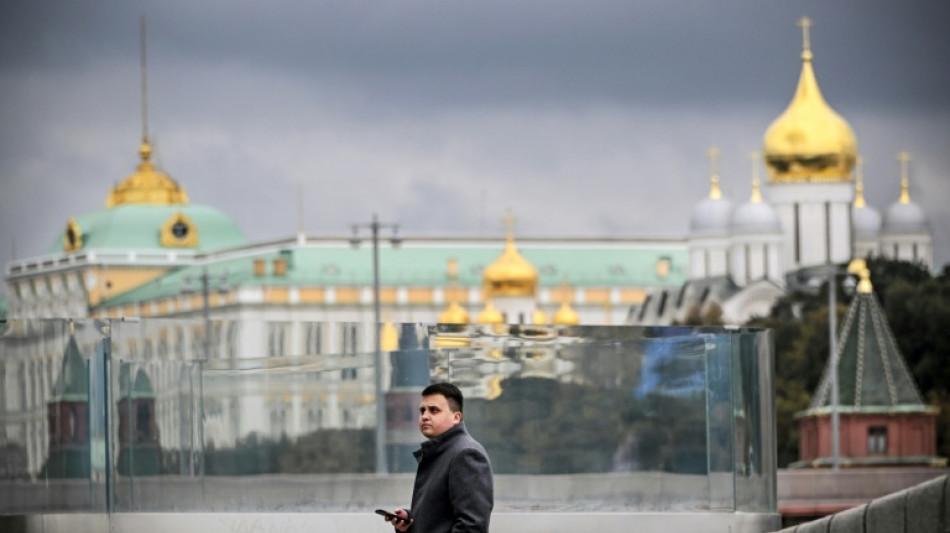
{"x":585,"y":118}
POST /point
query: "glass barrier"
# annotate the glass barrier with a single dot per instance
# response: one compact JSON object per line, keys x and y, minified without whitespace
{"x":155,"y":415}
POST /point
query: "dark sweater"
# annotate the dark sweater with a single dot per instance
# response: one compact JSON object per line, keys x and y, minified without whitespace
{"x":453,"y":491}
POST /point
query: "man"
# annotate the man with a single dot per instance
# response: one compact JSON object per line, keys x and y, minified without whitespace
{"x":453,"y":491}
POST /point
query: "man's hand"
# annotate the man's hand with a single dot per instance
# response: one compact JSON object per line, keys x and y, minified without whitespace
{"x":399,"y":524}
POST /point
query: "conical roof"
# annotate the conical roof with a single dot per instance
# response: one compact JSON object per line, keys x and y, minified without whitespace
{"x":872,"y":374}
{"x":141,"y":386}
{"x":72,"y":385}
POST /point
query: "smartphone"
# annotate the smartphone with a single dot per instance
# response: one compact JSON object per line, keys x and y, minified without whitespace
{"x":390,"y":516}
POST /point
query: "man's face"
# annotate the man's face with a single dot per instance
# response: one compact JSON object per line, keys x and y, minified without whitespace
{"x":435,"y":416}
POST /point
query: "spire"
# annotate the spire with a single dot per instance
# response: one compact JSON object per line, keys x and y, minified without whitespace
{"x":147,"y":185}
{"x":145,"y":149}
{"x":714,"y":191}
{"x":756,"y":197}
{"x":859,"y":183}
{"x":904,"y":158}
{"x":144,"y":82}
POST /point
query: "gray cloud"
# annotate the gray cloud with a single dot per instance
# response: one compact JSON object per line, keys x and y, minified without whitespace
{"x":584,"y":119}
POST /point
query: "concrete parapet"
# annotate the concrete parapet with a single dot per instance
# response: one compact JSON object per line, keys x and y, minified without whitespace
{"x":822,"y":525}
{"x":924,"y":508}
{"x":849,"y":521}
{"x":886,"y":514}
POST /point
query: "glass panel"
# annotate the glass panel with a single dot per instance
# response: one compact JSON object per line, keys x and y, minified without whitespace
{"x":721,"y":419}
{"x":755,"y":425}
{"x":52,"y":436}
{"x":282,"y":416}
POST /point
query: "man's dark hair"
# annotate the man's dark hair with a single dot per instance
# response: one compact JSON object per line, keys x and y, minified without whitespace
{"x":451,"y":393}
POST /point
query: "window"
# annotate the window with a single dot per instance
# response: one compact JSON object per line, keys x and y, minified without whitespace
{"x":877,"y":440}
{"x":143,"y":419}
{"x":232,"y":339}
{"x":314,"y":338}
{"x":276,"y":338}
{"x":350,"y":348}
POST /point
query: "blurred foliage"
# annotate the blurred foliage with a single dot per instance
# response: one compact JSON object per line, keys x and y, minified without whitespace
{"x":328,"y":451}
{"x":331,"y":451}
{"x":917,"y":306}
{"x":542,"y":426}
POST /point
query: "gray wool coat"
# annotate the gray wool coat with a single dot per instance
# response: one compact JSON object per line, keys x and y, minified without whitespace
{"x":454,"y":490}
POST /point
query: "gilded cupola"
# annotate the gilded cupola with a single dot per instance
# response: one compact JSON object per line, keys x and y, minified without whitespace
{"x":566,"y":316}
{"x":490,"y":315}
{"x":809,"y":142}
{"x":147,"y":185}
{"x":454,"y":313}
{"x":511,"y":274}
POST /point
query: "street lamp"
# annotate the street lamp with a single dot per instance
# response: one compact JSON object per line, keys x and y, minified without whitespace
{"x":374,"y":226}
{"x":220,"y":283}
{"x":187,"y":288}
{"x":833,"y":341}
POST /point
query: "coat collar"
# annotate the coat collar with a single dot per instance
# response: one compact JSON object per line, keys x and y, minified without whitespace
{"x":437,"y":445}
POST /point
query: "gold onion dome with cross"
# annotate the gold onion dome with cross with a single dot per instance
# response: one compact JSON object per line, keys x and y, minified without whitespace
{"x":511,"y":274}
{"x":809,"y":142}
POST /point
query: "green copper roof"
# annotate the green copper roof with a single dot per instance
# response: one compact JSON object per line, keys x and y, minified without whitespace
{"x":871,"y":370}
{"x":72,"y":385}
{"x":139,"y":227}
{"x":423,"y":264}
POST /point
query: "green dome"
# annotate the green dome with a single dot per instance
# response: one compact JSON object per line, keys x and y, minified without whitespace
{"x":185,"y":227}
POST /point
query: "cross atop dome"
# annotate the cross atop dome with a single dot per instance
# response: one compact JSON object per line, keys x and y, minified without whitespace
{"x":805,"y":24}
{"x":509,"y":221}
{"x":714,"y":191}
{"x":904,"y":158}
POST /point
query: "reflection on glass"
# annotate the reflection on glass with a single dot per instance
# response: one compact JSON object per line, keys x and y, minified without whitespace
{"x":145,"y":415}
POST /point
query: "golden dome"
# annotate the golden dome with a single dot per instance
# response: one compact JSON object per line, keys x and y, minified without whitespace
{"x":147,"y":185}
{"x":490,"y":315}
{"x":454,"y":314}
{"x":566,"y":316}
{"x":859,"y":268}
{"x":809,"y":141}
{"x":539,"y":317}
{"x":511,"y":274}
